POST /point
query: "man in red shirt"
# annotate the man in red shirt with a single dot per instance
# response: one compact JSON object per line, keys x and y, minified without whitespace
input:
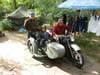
{"x":60,"y":28}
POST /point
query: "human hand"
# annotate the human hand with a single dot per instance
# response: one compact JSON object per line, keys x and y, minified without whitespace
{"x":56,"y":37}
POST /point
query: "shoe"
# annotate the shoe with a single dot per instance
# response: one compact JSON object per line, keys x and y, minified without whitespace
{"x":42,"y":49}
{"x":40,"y":53}
{"x":40,"y":56}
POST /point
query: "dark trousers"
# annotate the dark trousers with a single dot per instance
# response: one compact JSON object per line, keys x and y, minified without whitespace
{"x":45,"y":37}
{"x":42,"y":38}
{"x":31,"y":34}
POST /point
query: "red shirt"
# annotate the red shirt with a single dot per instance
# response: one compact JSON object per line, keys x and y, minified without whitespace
{"x":58,"y":30}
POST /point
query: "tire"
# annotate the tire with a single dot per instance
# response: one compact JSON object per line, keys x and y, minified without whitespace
{"x":30,"y":47}
{"x":78,"y":59}
{"x":28,"y":44}
{"x":33,"y":49}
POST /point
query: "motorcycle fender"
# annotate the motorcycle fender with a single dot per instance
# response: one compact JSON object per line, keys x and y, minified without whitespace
{"x":75,"y":47}
{"x":31,"y":40}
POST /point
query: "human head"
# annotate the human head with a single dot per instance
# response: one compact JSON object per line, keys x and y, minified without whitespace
{"x":64,"y":15}
{"x":43,"y":28}
{"x":60,"y":22}
{"x":32,"y":15}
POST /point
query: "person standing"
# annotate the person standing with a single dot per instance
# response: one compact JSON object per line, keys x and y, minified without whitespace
{"x":31,"y":25}
{"x":64,"y":18}
{"x":78,"y":26}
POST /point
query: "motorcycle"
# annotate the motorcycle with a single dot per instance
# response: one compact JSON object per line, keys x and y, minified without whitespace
{"x":54,"y":49}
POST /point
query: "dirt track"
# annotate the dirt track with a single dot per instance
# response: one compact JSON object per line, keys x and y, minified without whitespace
{"x":15,"y":59}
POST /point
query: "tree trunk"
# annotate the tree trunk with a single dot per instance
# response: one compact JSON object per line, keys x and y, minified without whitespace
{"x":15,"y":4}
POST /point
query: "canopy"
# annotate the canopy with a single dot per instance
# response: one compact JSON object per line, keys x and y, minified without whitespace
{"x":81,"y":4}
{"x":21,"y":12}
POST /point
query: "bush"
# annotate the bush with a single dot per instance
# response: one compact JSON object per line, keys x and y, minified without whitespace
{"x":6,"y":24}
{"x":1,"y":13}
{"x":41,"y":20}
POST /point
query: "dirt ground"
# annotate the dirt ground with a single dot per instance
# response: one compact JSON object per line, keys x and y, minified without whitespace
{"x":15,"y":59}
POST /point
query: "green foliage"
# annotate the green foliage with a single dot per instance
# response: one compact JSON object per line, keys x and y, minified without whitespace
{"x":90,"y":45}
{"x":40,"y":20}
{"x":26,"y":3}
{"x":41,"y":7}
{"x":6,"y":4}
{"x":45,"y":7}
{"x":1,"y":12}
{"x":6,"y":24}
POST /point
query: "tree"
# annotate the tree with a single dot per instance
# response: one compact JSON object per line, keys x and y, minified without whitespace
{"x":26,"y":3}
{"x":45,"y":7}
{"x":15,"y":5}
{"x":41,"y":7}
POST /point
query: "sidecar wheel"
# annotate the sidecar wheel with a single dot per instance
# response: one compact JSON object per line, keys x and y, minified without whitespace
{"x":28,"y":44}
{"x":30,"y":47}
{"x":33,"y":49}
{"x":78,"y":59}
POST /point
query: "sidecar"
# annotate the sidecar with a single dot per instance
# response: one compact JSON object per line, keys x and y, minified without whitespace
{"x":55,"y":50}
{"x":52,"y":50}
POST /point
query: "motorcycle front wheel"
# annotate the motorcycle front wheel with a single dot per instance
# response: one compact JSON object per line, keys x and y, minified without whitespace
{"x":78,"y":59}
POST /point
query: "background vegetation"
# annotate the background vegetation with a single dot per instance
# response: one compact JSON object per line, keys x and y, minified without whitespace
{"x":46,"y":11}
{"x":90,"y":45}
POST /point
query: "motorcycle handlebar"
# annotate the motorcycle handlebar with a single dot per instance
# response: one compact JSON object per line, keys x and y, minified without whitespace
{"x":65,"y":36}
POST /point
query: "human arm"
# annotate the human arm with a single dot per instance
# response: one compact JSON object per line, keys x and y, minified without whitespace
{"x":26,"y":24}
{"x":68,"y":28}
{"x":54,"y":33}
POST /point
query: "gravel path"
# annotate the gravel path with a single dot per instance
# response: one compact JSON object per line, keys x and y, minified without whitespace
{"x":15,"y":59}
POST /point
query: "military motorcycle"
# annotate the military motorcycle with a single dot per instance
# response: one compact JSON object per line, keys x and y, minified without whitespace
{"x":64,"y":46}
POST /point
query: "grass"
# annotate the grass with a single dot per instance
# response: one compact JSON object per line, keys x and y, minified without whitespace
{"x":90,"y":45}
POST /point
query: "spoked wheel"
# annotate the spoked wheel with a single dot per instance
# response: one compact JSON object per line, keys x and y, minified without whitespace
{"x":78,"y":59}
{"x":30,"y":47}
{"x":34,"y":50}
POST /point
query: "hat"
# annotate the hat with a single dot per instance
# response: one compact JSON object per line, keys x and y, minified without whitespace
{"x":32,"y":14}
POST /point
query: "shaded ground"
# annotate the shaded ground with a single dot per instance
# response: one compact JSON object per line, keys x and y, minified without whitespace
{"x":15,"y":59}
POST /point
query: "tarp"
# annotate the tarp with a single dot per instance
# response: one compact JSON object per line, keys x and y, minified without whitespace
{"x":81,"y":4}
{"x":21,"y":12}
